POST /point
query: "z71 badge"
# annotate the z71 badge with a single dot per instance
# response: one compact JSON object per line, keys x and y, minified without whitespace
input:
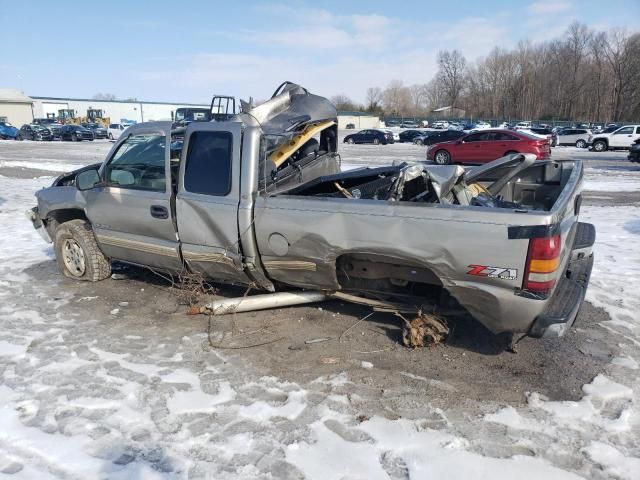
{"x":493,"y":272}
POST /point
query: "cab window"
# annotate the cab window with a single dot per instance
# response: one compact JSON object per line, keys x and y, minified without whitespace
{"x":139,"y":163}
{"x":208,"y":167}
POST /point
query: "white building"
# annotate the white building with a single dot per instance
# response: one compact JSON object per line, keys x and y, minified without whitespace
{"x":359,"y":120}
{"x":119,"y":111}
{"x":15,"y":107}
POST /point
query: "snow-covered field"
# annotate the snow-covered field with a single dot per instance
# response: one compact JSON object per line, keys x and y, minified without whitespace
{"x":79,"y":402}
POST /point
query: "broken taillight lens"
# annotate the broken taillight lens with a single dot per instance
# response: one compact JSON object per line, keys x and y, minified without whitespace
{"x":543,"y":260}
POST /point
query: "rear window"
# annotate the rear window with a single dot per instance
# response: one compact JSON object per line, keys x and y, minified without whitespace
{"x":208,"y":168}
{"x":530,"y":136}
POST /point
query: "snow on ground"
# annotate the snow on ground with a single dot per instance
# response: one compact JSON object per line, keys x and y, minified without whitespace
{"x":78,"y":401}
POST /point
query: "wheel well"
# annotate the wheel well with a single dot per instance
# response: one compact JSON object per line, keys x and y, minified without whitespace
{"x":56,"y":217}
{"x":383,"y":273}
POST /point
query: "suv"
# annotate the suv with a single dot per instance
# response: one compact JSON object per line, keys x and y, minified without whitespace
{"x":115,"y":130}
{"x":623,"y":137}
{"x":580,"y":137}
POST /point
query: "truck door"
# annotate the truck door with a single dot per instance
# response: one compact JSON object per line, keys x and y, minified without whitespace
{"x":623,"y":137}
{"x":131,"y":209}
{"x":208,"y":200}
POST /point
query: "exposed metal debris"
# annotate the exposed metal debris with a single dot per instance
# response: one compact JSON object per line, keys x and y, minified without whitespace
{"x":425,"y":330}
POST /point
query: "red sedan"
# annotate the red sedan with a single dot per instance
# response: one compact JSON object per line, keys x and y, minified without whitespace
{"x":487,"y":145}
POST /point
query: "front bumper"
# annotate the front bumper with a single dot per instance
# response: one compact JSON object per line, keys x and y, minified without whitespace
{"x":563,"y":306}
{"x":36,"y":221}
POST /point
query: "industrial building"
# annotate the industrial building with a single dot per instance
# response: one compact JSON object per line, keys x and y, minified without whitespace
{"x":119,"y":111}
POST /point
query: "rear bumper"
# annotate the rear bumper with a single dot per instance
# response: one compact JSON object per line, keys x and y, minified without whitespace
{"x":563,"y":306}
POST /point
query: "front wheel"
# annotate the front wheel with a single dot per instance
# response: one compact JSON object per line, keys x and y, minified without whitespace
{"x":376,"y":141}
{"x":74,"y":137}
{"x":419,"y":142}
{"x":600,"y":146}
{"x":19,"y":138}
{"x":77,"y":252}
{"x":442,"y":157}
{"x":581,"y":144}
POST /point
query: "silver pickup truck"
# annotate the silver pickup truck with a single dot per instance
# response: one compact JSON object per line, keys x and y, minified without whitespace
{"x":260,"y":200}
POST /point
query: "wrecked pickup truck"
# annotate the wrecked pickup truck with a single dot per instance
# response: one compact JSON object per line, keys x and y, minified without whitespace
{"x":260,"y":200}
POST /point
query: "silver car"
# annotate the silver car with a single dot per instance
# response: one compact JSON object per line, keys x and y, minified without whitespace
{"x":580,"y":137}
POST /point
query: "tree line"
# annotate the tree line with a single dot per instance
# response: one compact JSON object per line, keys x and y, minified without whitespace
{"x":585,"y":75}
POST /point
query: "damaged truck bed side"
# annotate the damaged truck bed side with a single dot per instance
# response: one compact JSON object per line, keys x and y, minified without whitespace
{"x":260,"y":200}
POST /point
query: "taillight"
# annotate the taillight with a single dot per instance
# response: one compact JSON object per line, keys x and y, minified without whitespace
{"x":543,"y":260}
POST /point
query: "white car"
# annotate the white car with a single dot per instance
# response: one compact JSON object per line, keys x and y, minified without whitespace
{"x":115,"y":130}
{"x":441,"y":125}
{"x":481,"y":126}
{"x":623,"y":137}
{"x":396,"y":135}
{"x":523,"y":125}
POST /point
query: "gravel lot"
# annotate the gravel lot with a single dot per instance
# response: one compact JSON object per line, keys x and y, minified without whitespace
{"x":135,"y":329}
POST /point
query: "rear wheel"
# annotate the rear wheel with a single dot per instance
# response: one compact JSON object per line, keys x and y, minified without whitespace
{"x":19,"y":138}
{"x":600,"y":146}
{"x":419,"y":142}
{"x":442,"y":157}
{"x":77,"y":252}
{"x":350,"y":141}
{"x":581,"y":143}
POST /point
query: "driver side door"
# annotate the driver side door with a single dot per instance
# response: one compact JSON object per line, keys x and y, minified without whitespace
{"x":131,"y":209}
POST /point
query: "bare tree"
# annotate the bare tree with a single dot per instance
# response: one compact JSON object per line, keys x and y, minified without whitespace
{"x":451,"y":73}
{"x":342,"y":102}
{"x":396,"y":99}
{"x":374,"y":99}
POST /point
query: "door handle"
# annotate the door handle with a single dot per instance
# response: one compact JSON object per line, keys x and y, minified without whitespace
{"x":158,"y":211}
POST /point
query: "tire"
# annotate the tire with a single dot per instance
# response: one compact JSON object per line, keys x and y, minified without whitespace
{"x":19,"y":138}
{"x":600,"y":146}
{"x":581,"y":144}
{"x":442,"y":157}
{"x":74,"y":137}
{"x":350,"y":141}
{"x":111,"y":136}
{"x":376,"y":141}
{"x":77,"y":253}
{"x":419,"y":142}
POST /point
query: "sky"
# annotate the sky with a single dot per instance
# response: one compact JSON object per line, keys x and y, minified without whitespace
{"x":189,"y":51}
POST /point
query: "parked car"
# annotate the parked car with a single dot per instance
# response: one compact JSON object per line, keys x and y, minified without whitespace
{"x":75,"y":133}
{"x":34,"y":132}
{"x":580,"y":137}
{"x":623,"y":137}
{"x":115,"y":130}
{"x":98,"y":130}
{"x":440,"y":125}
{"x":488,"y":145}
{"x":370,"y":136}
{"x":409,"y":124}
{"x":522,"y":125}
{"x":55,"y":128}
{"x":351,"y":126}
{"x":395,"y":134}
{"x":456,"y":126}
{"x":505,"y":125}
{"x":432,"y":137}
{"x":481,"y":126}
{"x":409,"y":135}
{"x":546,"y":132}
{"x":634,"y":152}
{"x":8,"y":131}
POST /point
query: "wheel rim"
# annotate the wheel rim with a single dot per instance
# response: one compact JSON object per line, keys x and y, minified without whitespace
{"x":442,"y":158}
{"x":376,"y":141}
{"x":350,"y":140}
{"x":73,"y":257}
{"x":599,"y":147}
{"x":581,"y":144}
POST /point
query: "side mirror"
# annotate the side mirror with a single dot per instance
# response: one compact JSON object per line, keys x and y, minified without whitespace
{"x":87,"y":180}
